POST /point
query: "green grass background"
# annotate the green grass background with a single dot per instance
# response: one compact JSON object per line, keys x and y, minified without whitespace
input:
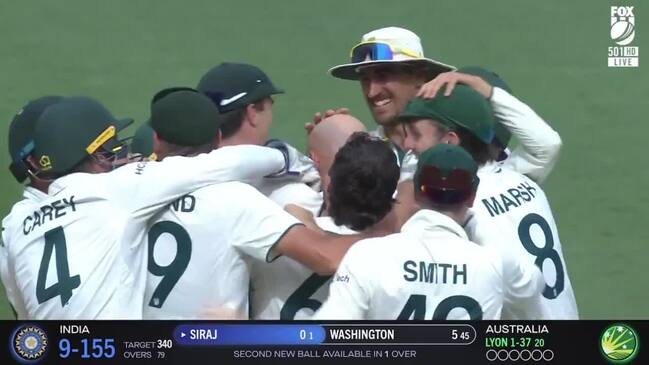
{"x":552,"y":53}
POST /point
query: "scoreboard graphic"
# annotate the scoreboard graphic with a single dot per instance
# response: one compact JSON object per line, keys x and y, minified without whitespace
{"x":352,"y":342}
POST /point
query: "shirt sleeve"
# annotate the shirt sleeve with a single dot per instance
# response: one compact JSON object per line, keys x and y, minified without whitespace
{"x":539,"y":143}
{"x":299,"y":194}
{"x":259,"y":224}
{"x":350,"y":289}
{"x":408,"y":166}
{"x":145,"y":187}
{"x":523,"y":287}
{"x":8,"y":277}
{"x":522,"y":281}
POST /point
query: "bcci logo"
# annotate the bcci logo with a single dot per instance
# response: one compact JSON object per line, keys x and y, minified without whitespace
{"x":623,"y":34}
{"x":29,"y":343}
{"x":619,"y":344}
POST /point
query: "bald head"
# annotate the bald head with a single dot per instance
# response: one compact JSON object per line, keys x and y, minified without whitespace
{"x":327,"y":137}
{"x":331,"y":133}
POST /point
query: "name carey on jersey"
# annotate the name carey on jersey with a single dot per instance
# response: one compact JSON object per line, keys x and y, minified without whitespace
{"x":48,"y":212}
{"x":509,"y":199}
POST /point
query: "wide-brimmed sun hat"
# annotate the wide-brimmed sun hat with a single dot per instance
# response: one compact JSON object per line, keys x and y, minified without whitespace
{"x":385,"y":46}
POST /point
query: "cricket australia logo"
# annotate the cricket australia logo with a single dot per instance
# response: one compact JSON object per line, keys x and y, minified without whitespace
{"x":45,"y":162}
{"x":623,"y":34}
{"x":29,"y":343}
{"x":619,"y":344}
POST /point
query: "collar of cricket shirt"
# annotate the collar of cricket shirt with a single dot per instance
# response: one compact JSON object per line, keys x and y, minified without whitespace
{"x":33,"y":194}
{"x":428,"y":221}
{"x":378,"y":132}
{"x":491,"y":167}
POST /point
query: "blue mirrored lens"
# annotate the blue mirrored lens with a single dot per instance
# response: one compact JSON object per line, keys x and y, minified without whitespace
{"x":372,"y":52}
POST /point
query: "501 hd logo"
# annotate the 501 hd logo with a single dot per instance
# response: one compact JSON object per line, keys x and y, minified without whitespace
{"x":29,"y":344}
{"x":623,"y":34}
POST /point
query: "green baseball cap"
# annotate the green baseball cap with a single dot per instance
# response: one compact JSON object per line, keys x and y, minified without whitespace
{"x":464,"y":108}
{"x":142,"y":141}
{"x":502,"y":134}
{"x":446,"y":174}
{"x":184,"y":116}
{"x":234,"y":85}
{"x":21,"y":134}
{"x":72,"y":129}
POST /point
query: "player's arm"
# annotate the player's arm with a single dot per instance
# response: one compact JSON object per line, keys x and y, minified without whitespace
{"x":8,"y":278}
{"x":524,"y":285}
{"x":298,"y":194}
{"x":349,"y":291}
{"x":264,"y":231}
{"x":539,"y":146}
{"x":322,"y":252}
{"x":143,"y":188}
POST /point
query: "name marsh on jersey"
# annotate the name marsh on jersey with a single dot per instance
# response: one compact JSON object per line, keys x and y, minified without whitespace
{"x":509,"y":199}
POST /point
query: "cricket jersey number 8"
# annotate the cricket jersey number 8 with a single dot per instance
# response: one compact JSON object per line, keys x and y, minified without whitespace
{"x":542,"y":253}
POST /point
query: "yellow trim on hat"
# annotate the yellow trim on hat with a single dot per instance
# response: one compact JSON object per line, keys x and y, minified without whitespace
{"x":107,"y":134}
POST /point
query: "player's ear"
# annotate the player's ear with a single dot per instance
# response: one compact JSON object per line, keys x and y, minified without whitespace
{"x":313,"y":155}
{"x":157,"y":144}
{"x":451,"y":138}
{"x":470,"y":200}
{"x":217,"y":139}
{"x":251,"y":114}
{"x":32,"y":165}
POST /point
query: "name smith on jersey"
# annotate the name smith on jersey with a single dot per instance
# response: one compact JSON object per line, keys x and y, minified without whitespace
{"x":434,"y":272}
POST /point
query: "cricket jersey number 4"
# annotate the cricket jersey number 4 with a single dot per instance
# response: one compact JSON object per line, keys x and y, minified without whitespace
{"x":415,"y":308}
{"x":55,"y":242}
{"x":542,"y":253}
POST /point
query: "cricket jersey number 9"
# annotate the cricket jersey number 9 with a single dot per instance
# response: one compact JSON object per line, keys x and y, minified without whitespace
{"x":172,"y":272}
{"x":542,"y":253}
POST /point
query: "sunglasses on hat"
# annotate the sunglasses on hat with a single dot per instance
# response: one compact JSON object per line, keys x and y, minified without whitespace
{"x":378,"y":51}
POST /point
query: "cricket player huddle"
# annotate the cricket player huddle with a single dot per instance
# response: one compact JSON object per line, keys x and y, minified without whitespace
{"x":202,"y":215}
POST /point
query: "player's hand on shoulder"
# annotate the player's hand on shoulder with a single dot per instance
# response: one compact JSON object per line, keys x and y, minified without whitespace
{"x":319,"y":117}
{"x":303,"y":215}
{"x":449,"y":80}
{"x":298,"y":167}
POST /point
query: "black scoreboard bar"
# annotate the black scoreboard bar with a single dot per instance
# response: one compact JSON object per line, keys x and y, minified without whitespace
{"x":303,"y":342}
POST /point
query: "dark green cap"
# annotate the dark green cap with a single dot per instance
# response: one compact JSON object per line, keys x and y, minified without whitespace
{"x":185,"y":117}
{"x":464,"y":108}
{"x":72,"y":129}
{"x":502,"y":134}
{"x":21,"y":134}
{"x":235,"y":85}
{"x":446,"y":174}
{"x":142,"y":141}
